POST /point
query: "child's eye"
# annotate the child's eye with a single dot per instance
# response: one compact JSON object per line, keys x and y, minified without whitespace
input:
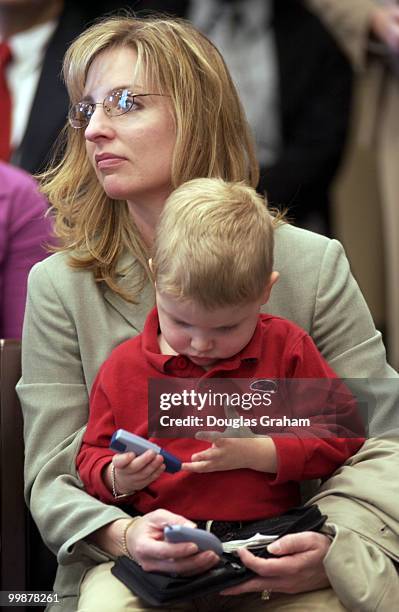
{"x":180,"y":323}
{"x":227,"y":328}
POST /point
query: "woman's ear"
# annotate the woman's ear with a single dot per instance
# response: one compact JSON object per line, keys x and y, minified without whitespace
{"x":274,"y":276}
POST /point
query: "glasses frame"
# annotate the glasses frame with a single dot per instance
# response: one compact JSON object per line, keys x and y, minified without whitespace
{"x":107,"y":109}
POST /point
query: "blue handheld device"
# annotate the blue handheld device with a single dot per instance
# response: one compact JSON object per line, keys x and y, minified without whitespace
{"x":123,"y":441}
{"x":204,"y":539}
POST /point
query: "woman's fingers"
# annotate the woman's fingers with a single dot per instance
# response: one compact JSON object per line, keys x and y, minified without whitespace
{"x":182,"y":563}
{"x":298,"y":569}
{"x":153,"y":553}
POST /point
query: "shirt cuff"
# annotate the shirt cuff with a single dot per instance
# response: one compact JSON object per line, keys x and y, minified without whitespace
{"x":290,"y":459}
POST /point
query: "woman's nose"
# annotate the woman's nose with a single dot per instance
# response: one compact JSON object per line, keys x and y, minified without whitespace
{"x":100,"y":125}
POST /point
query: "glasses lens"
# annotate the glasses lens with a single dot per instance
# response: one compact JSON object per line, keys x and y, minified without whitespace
{"x":118,"y":102}
{"x":79,"y":115}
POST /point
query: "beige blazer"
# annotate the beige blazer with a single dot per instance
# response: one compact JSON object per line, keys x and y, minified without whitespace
{"x":361,"y":502}
{"x":72,"y":324}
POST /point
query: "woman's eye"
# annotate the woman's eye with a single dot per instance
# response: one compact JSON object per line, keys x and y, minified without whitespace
{"x":126,"y":102}
{"x":124,"y":105}
{"x":133,"y":105}
{"x":120,"y":102}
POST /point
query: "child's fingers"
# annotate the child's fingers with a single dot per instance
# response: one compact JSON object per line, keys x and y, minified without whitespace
{"x":123,"y":459}
{"x":144,"y":465}
{"x":208,"y":436}
{"x":206,"y":455}
{"x":199,"y":466}
{"x":143,"y":482}
{"x":132,"y":464}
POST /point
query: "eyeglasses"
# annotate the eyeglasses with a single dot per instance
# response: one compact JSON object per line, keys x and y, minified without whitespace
{"x":118,"y":102}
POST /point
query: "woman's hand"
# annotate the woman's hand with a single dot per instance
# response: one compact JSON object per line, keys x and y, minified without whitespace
{"x":385,"y":25}
{"x":145,"y":543}
{"x":299,"y":569}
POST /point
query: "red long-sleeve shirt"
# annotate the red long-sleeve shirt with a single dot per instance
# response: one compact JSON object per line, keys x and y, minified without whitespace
{"x":119,"y":399}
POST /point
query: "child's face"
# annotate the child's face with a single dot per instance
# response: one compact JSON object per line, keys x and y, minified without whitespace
{"x":205,"y":336}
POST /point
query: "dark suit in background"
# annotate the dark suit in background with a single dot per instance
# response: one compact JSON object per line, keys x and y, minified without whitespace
{"x":315,"y":82}
{"x":315,"y":94}
{"x":50,"y":104}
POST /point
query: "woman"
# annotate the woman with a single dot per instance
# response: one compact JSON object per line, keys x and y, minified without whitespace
{"x":125,"y":153}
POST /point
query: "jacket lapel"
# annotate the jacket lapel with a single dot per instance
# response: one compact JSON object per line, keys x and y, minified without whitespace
{"x":135,"y":314}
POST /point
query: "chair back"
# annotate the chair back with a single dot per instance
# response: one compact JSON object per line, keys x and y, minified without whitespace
{"x":12,"y":506}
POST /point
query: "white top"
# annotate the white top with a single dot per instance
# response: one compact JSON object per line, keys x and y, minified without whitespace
{"x":242,"y":31}
{"x":23,"y":73}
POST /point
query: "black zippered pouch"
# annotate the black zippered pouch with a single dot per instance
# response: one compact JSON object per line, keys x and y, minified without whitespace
{"x":162,"y":589}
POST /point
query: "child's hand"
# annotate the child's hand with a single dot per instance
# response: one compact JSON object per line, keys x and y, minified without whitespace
{"x":257,"y":453}
{"x":224,"y":454}
{"x":135,"y":473}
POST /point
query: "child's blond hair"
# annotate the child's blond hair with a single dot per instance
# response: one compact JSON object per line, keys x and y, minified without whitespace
{"x":214,"y":243}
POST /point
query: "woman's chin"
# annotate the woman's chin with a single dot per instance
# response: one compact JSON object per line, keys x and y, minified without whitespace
{"x":115,"y":190}
{"x":116,"y":194}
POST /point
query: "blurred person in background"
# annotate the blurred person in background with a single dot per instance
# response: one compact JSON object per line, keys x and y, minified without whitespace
{"x":24,"y":234}
{"x":368,"y":31}
{"x":34,"y":35}
{"x":295,"y":85}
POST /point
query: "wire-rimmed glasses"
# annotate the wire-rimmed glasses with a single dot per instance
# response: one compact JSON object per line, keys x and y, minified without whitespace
{"x":117,"y":102}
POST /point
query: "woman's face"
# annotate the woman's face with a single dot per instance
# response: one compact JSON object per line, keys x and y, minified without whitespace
{"x":130,"y":153}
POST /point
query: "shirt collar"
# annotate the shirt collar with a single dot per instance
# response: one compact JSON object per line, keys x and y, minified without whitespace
{"x":180,"y":365}
{"x":28,"y":47}
{"x":255,"y":14}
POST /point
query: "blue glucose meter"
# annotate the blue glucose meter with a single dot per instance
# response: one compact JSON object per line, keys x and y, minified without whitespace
{"x":123,"y":441}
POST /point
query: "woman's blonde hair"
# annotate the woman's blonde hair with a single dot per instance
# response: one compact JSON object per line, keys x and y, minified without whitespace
{"x":212,"y":137}
{"x":214,"y":244}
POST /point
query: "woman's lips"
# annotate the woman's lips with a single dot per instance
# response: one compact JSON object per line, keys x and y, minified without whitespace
{"x":108,"y":161}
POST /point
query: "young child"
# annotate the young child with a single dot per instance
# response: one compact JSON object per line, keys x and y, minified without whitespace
{"x":213,"y":269}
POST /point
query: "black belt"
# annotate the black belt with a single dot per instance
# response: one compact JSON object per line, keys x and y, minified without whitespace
{"x":222,"y":529}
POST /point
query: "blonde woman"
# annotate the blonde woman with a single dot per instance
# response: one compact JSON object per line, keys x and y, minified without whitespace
{"x":153,"y":105}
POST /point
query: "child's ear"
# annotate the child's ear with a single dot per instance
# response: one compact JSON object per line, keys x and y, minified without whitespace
{"x":274,"y":276}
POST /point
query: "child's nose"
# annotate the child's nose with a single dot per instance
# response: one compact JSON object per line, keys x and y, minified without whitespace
{"x":201,"y":344}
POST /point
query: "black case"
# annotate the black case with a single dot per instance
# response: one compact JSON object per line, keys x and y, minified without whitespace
{"x":162,"y":589}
